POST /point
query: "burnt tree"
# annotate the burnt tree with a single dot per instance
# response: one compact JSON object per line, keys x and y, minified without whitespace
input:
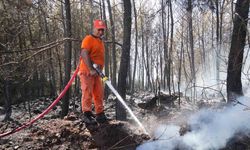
{"x":125,"y":57}
{"x":67,"y":55}
{"x":234,"y":85}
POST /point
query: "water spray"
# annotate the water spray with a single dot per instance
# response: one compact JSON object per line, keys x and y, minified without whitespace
{"x":108,"y":83}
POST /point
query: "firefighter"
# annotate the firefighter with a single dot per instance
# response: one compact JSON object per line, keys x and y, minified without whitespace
{"x":92,"y":52}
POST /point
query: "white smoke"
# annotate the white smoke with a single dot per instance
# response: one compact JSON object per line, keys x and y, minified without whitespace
{"x":210,"y":129}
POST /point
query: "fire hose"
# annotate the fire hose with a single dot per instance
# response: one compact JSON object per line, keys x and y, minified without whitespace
{"x":25,"y":125}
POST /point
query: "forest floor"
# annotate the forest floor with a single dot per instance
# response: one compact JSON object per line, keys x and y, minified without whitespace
{"x":70,"y":132}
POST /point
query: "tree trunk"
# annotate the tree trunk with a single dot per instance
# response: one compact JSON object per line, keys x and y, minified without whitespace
{"x":191,"y":44}
{"x":129,"y":79}
{"x":165,"y":44}
{"x":113,"y":75}
{"x":161,"y":68}
{"x":142,"y":53}
{"x":234,"y":85}
{"x":218,"y":51}
{"x":136,"y":47}
{"x":219,"y":21}
{"x":7,"y":100}
{"x":180,"y":68}
{"x":168,"y":70}
{"x":171,"y":69}
{"x":203,"y":55}
{"x":106,"y":89}
{"x":59,"y":69}
{"x":51,"y":73}
{"x":125,"y":57}
{"x":146,"y":60}
{"x":101,"y":8}
{"x":91,"y":15}
{"x":67,"y":54}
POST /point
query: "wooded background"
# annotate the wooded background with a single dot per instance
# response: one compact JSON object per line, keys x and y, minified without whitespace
{"x":163,"y":45}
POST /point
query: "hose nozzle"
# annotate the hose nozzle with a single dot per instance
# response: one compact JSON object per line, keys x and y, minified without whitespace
{"x":99,"y":71}
{"x":95,"y":66}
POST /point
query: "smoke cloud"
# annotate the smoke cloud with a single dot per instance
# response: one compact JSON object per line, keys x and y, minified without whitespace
{"x":209,"y":129}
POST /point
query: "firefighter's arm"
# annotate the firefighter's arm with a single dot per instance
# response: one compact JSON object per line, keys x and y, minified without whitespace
{"x":87,"y":61}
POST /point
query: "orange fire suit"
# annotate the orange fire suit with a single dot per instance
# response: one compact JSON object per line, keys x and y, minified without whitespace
{"x":92,"y":85}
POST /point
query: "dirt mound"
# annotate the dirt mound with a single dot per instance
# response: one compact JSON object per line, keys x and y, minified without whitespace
{"x":116,"y":135}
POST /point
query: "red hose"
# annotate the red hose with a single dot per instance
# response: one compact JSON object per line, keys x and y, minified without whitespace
{"x":46,"y":110}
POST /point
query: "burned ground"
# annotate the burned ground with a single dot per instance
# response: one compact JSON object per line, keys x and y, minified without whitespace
{"x":52,"y":132}
{"x":72,"y":133}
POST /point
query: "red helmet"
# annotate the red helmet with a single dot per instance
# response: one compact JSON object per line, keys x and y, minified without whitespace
{"x":99,"y":24}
